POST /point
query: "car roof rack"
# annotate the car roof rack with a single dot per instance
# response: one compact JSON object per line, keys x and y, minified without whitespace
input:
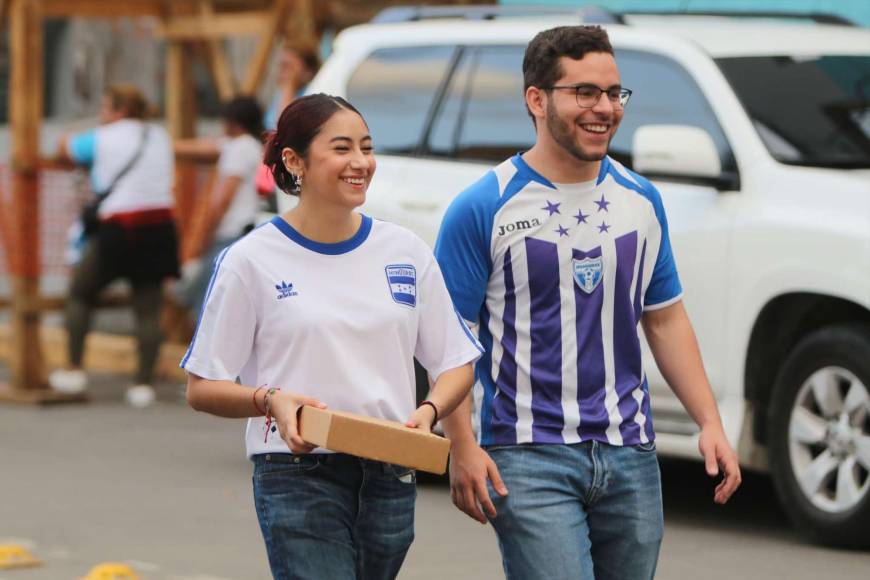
{"x":585,"y":14}
{"x":817,"y":17}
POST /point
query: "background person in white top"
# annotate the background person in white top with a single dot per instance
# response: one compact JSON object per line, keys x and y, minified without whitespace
{"x":135,"y":238}
{"x":233,"y":201}
{"x":330,"y":306}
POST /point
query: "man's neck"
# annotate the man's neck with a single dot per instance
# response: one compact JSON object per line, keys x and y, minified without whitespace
{"x":559,"y":166}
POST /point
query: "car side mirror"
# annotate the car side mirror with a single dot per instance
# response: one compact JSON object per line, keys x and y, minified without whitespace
{"x":682,"y":152}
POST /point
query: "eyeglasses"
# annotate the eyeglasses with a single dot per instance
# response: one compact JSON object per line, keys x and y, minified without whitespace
{"x":589,"y":95}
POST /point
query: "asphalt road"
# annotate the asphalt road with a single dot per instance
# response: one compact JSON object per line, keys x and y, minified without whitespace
{"x":167,"y":491}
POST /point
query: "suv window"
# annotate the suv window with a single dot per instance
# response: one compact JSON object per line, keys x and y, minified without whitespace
{"x":830,"y":95}
{"x":483,"y":116}
{"x":664,"y":93}
{"x":394,"y":89}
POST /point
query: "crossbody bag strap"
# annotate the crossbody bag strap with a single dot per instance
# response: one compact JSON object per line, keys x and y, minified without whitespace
{"x":101,"y":196}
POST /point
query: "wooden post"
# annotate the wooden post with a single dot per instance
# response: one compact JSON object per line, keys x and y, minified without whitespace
{"x":181,"y":122}
{"x":217,"y":58}
{"x":25,"y":114}
{"x":305,"y":23}
{"x":257,"y":67}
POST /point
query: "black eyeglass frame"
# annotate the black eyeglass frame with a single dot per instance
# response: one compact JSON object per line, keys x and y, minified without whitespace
{"x":622,"y":101}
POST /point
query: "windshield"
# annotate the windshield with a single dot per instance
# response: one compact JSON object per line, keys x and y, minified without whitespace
{"x":808,"y":110}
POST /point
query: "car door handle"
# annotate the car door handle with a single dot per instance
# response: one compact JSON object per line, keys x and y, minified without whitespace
{"x":413,"y":205}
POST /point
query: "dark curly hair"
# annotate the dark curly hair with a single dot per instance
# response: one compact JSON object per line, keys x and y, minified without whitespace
{"x":541,"y":66}
{"x":298,"y":125}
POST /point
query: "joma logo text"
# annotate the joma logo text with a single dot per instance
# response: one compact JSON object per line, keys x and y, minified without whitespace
{"x":518,"y":225}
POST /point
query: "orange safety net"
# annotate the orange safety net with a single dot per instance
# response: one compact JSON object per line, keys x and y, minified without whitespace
{"x":62,"y":193}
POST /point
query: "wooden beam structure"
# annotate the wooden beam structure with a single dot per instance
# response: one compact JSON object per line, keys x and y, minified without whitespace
{"x":212,"y":26}
{"x":257,"y":67}
{"x":25,"y":115}
{"x":103,"y":9}
{"x":190,"y":28}
{"x":216,"y":59}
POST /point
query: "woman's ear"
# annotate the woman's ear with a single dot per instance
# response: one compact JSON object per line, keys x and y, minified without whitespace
{"x":292,"y":161}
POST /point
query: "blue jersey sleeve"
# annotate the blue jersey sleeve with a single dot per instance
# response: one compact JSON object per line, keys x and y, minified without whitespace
{"x":664,"y":285}
{"x":82,"y":147}
{"x":463,"y":245}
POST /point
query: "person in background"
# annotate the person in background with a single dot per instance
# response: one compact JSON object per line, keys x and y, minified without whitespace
{"x":233,"y":203}
{"x":296,"y":67}
{"x":132,"y":236}
{"x":565,"y":467}
{"x":326,"y":306}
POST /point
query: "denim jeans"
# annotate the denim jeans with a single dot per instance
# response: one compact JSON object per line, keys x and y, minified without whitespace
{"x":582,"y":511}
{"x":334,"y":515}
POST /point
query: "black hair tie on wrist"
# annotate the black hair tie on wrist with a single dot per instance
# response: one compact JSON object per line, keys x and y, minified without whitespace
{"x":434,"y":408}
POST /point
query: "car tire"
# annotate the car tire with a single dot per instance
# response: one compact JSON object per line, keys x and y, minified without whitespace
{"x":819,"y":436}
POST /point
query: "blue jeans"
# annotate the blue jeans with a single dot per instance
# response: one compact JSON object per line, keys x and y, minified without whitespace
{"x":588,"y":510}
{"x":334,"y":515}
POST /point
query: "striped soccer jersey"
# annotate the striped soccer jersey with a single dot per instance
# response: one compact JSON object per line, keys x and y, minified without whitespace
{"x":557,"y":276}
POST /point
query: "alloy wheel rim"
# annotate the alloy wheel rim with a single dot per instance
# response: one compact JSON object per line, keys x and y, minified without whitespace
{"x":829,"y":439}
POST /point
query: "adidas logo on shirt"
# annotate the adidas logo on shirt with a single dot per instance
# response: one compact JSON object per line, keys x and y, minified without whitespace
{"x":285,"y":290}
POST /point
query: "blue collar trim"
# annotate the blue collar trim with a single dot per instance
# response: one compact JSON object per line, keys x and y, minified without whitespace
{"x":524,"y":167}
{"x":322,"y":248}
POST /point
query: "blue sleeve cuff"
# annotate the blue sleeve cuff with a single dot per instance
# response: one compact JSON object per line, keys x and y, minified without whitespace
{"x":82,"y":147}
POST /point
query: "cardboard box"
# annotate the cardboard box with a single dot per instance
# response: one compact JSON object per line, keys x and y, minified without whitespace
{"x":387,"y":441}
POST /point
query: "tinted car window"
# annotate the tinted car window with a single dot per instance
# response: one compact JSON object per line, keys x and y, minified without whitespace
{"x":829,"y":94}
{"x":444,"y":134}
{"x":483,"y":116}
{"x":664,"y":93}
{"x":395,"y":89}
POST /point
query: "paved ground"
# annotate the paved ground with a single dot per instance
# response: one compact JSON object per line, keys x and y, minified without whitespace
{"x":167,"y":491}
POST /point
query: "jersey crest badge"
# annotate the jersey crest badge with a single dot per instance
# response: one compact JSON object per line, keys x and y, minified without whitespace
{"x":402,"y":279}
{"x":587,"y":273}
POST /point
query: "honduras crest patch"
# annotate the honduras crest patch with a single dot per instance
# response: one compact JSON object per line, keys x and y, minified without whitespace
{"x":587,"y":273}
{"x":402,"y":279}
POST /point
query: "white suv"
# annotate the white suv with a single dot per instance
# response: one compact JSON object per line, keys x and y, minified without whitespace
{"x":757,"y":134}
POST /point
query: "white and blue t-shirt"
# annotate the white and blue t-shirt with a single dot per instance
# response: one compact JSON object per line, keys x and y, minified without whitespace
{"x":337,"y":322}
{"x":557,"y":277}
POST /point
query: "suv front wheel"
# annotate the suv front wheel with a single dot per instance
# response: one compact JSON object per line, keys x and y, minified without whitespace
{"x":819,"y":436}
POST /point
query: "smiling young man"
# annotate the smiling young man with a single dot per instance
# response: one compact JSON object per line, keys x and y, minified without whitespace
{"x":557,"y":255}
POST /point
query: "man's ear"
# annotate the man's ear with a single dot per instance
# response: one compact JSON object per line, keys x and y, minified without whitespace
{"x":292,"y":161}
{"x":536,"y":101}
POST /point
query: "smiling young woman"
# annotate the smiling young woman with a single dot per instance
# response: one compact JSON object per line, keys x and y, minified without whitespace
{"x":324,"y":306}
